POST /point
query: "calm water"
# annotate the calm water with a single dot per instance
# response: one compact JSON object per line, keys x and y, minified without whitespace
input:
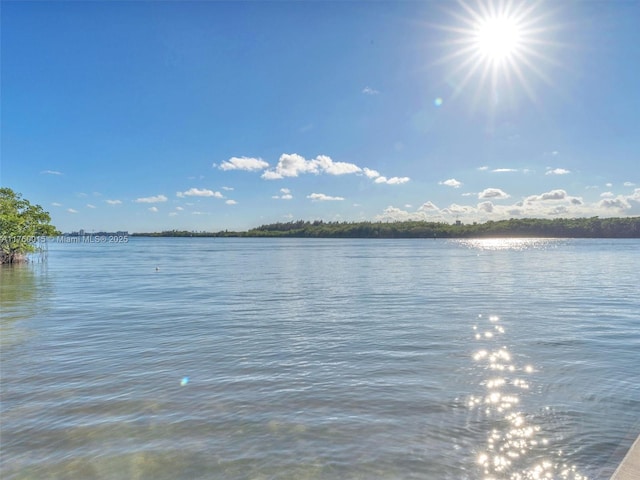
{"x":321,"y":359}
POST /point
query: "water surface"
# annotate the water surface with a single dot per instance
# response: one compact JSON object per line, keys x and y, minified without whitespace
{"x":325,"y":359}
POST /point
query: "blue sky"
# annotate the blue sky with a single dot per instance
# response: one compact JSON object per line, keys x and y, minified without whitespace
{"x":147,"y":116}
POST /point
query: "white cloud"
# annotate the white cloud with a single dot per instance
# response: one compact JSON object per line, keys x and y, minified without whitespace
{"x":179,"y":208}
{"x":50,"y":172}
{"x":321,"y":197}
{"x":90,"y":205}
{"x":114,"y":202}
{"x":196,"y":192}
{"x":229,"y":189}
{"x":397,"y":180}
{"x":71,"y":210}
{"x":286,"y":194}
{"x":394,"y":214}
{"x":335,"y":168}
{"x":620,"y":203}
{"x":231,"y":202}
{"x":172,"y":214}
{"x":153,"y":199}
{"x":292,"y":165}
{"x":370,"y":173}
{"x":608,"y":185}
{"x":56,"y":204}
{"x":370,"y":91}
{"x":607,"y":195}
{"x":243,"y":163}
{"x":153,"y":209}
{"x":504,"y":170}
{"x":428,"y":207}
{"x":629,"y":184}
{"x":557,"y":171}
{"x":493,"y":193}
{"x":483,"y":168}
{"x":392,"y":180}
{"x":486,"y":206}
{"x":452,"y":182}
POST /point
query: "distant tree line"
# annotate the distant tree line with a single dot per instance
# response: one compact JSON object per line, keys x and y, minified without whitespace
{"x":594,"y":227}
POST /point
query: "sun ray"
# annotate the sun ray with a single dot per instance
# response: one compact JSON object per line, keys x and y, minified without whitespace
{"x":501,"y":47}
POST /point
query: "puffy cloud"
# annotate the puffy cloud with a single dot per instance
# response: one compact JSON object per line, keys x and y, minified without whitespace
{"x":114,"y":202}
{"x":493,"y":193}
{"x":557,"y":171}
{"x":292,"y":165}
{"x":486,"y":206}
{"x":370,"y":91}
{"x":394,"y":214}
{"x":452,"y":182}
{"x":244,"y":163}
{"x":321,"y":197}
{"x":392,"y":180}
{"x":335,"y":168}
{"x":153,"y":199}
{"x":196,"y":192}
{"x":231,"y":202}
{"x":370,"y":173}
{"x":286,"y":194}
{"x":552,"y":195}
{"x":428,"y":207}
{"x":607,"y":195}
{"x":619,"y":203}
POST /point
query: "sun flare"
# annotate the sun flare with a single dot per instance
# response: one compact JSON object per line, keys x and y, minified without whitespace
{"x":498,"y":38}
{"x":499,"y":48}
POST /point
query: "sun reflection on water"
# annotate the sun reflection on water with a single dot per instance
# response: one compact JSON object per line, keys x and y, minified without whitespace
{"x":515,"y":448}
{"x":507,"y":243}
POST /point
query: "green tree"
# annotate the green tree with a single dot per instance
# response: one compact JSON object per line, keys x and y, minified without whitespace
{"x":21,"y":225}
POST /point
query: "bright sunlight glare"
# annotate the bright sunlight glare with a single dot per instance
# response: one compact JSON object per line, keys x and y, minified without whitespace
{"x":498,"y":38}
{"x":500,"y":48}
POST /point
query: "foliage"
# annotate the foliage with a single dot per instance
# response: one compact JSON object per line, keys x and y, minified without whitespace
{"x":21,"y":226}
{"x":595,"y":227}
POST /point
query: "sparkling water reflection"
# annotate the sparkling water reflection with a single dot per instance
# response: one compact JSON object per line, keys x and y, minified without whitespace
{"x":516,"y":447}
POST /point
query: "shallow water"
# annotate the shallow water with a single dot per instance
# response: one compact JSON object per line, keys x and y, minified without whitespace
{"x":303,"y":358}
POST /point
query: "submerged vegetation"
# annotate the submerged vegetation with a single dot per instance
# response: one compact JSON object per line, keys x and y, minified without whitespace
{"x":595,"y":227}
{"x":22,"y":225}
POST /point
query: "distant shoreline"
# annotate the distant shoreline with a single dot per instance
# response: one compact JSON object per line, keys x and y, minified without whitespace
{"x":594,"y":227}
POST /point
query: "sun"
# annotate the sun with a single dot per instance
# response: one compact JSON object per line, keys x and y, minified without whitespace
{"x":499,"y":48}
{"x":499,"y":39}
